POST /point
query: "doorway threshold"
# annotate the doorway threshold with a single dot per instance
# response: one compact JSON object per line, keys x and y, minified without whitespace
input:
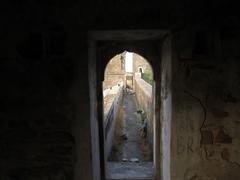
{"x":130,"y":171}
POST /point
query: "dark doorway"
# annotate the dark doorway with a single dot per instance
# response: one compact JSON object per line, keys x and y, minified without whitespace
{"x":103,"y":46}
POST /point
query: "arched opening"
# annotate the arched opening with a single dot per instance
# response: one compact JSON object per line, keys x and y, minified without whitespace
{"x":156,"y":48}
{"x":128,"y":117}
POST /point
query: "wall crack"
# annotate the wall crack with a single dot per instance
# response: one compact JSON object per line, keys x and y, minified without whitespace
{"x":203,"y":107}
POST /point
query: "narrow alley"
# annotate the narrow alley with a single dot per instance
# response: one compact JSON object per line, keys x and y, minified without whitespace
{"x":128,"y":121}
{"x":130,"y":156}
{"x":129,"y":145}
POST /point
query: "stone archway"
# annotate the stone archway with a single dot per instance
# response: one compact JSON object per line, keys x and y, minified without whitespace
{"x":128,"y":117}
{"x":102,"y":46}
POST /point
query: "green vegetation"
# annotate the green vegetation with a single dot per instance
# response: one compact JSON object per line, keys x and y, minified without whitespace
{"x":148,"y":76}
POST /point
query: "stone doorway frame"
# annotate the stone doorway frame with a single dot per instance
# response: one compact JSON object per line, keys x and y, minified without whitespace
{"x":102,"y":46}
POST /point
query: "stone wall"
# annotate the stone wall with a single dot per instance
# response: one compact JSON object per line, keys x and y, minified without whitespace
{"x":110,"y":121}
{"x":112,"y":92}
{"x":140,"y":62}
{"x":143,"y":92}
{"x":114,"y":73}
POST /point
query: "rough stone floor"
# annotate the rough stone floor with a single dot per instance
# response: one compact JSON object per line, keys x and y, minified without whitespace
{"x":130,"y":171}
{"x":132,"y":147}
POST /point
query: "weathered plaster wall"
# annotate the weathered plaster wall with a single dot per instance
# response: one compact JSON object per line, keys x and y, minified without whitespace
{"x":45,"y":104}
{"x":38,"y":101}
{"x":205,"y":123}
{"x":45,"y":120}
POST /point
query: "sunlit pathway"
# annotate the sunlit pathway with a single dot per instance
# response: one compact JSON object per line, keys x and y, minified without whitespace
{"x":132,"y":146}
{"x":129,"y":159}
